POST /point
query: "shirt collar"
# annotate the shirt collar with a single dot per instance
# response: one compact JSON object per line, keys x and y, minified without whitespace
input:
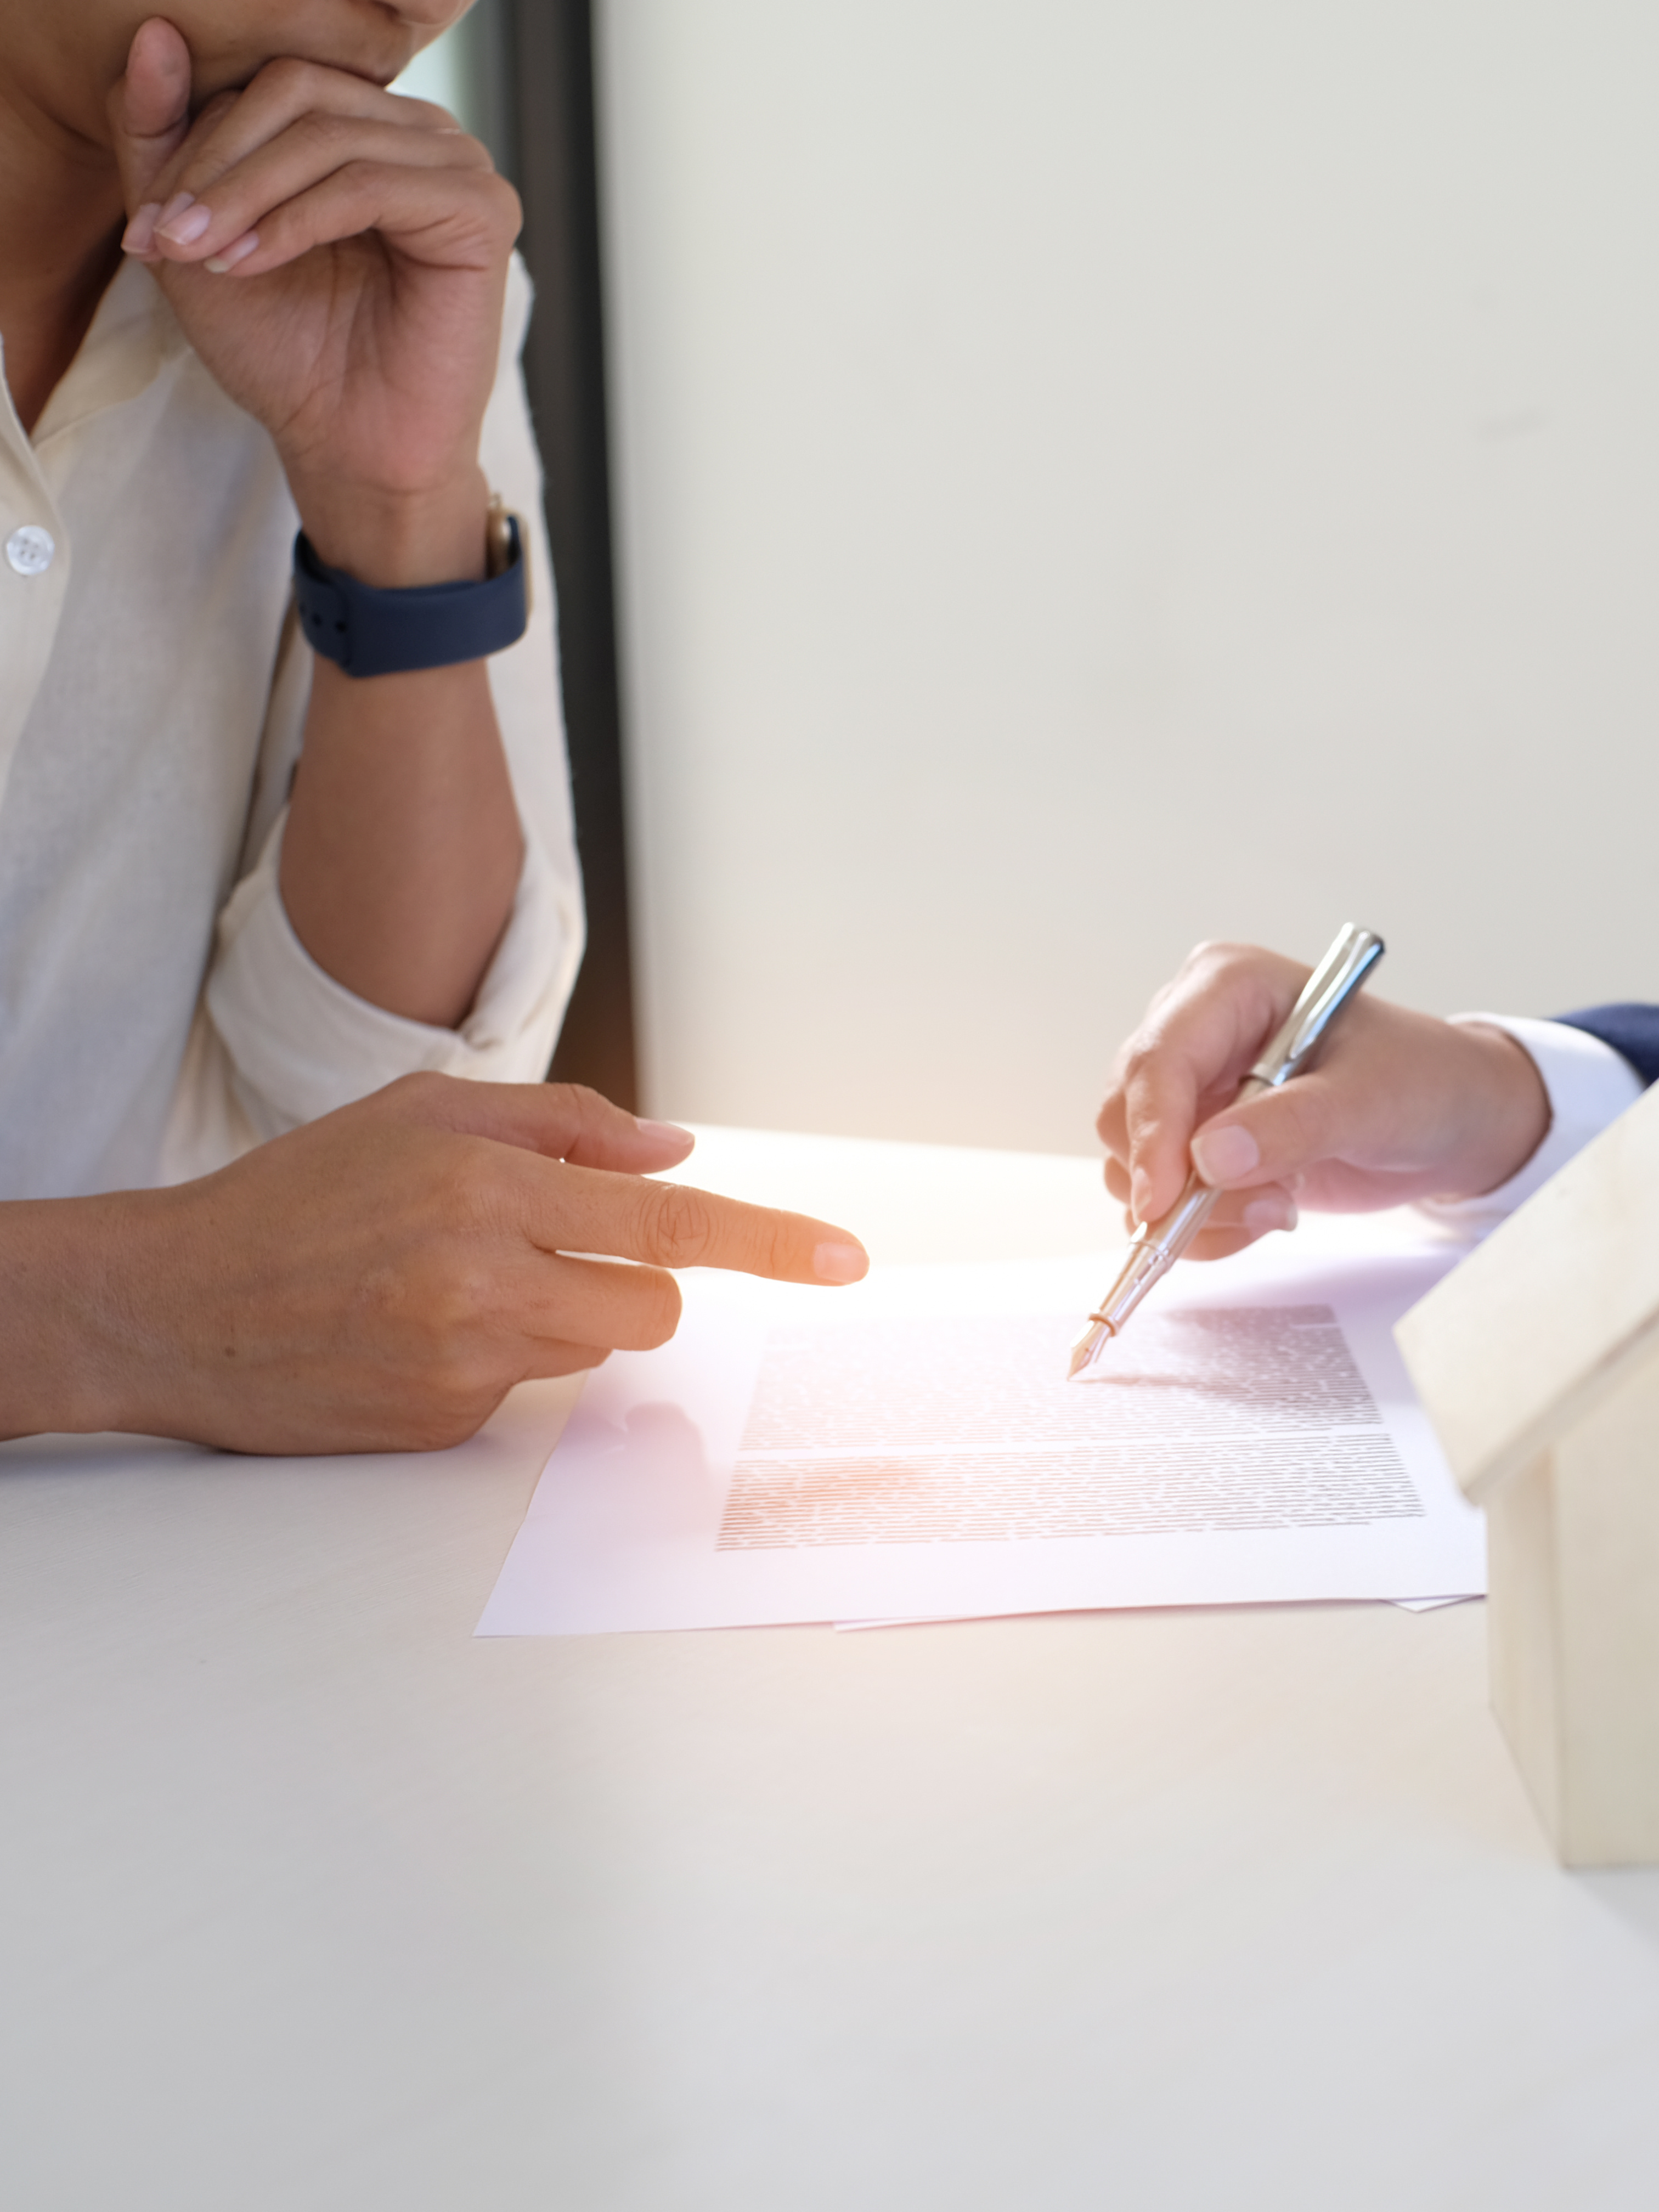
{"x":133,"y":337}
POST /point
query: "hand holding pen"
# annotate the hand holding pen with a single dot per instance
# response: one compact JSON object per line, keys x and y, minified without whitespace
{"x":1398,"y":1105}
{"x":1159,"y":1241}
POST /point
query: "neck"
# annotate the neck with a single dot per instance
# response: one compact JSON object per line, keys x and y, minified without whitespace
{"x":60,"y":221}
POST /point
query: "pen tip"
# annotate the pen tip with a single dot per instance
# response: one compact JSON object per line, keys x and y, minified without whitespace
{"x":1084,"y":1350}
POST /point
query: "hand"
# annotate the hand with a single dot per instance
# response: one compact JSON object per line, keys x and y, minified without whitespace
{"x":337,"y":257}
{"x":378,"y":1279}
{"x":1399,"y":1106}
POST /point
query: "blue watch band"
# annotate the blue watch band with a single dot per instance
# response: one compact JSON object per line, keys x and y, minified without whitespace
{"x":376,"y":633}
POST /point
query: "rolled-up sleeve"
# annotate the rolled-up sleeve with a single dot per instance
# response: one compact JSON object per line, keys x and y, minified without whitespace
{"x":299,"y":1044}
{"x":291,"y":1042}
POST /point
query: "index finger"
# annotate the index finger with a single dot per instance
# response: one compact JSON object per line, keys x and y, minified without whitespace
{"x":1186,"y":1059}
{"x":312,"y":107}
{"x":667,"y":1224}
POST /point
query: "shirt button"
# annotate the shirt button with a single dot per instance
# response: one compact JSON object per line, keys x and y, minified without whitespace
{"x":30,"y":549}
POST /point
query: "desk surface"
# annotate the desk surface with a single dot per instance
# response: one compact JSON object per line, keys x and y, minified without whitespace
{"x":308,"y":1898}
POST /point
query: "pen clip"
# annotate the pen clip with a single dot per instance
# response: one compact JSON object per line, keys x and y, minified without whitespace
{"x":1337,"y":976}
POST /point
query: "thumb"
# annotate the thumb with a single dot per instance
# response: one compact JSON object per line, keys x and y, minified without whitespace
{"x":1275,"y":1136}
{"x":562,"y":1120}
{"x":150,"y":108}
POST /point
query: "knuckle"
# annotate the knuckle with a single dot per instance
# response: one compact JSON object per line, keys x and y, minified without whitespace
{"x":198,"y":159}
{"x":1140,"y":1083}
{"x":1220,"y":953}
{"x":451,"y":1369}
{"x":469,"y":1187}
{"x":465,"y":1294}
{"x":465,"y":1378}
{"x":565,"y":1358}
{"x":466,"y":152}
{"x":290,"y":78}
{"x":440,"y":1433}
{"x":776,"y":1242}
{"x":361,"y":175}
{"x":577,"y":1113}
{"x":412,"y":1089}
{"x":1112,"y":1122}
{"x":503,"y":198}
{"x":1212,"y":969}
{"x":318,"y":131}
{"x":427,"y":115}
{"x":660,"y":1313}
{"x":384,"y":1292}
{"x":678,"y":1225}
{"x":455,"y":1409}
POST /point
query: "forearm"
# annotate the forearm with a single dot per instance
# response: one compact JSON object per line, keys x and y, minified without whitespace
{"x":338,"y":258}
{"x":402,"y":849}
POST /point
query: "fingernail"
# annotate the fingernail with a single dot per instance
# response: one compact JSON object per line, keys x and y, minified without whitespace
{"x":1140,"y":1193}
{"x":659,"y":1132}
{"x":139,"y":236}
{"x":1222,"y":1156}
{"x":1270,"y":1212}
{"x":840,"y":1263}
{"x":228,"y":255}
{"x":182,"y":221}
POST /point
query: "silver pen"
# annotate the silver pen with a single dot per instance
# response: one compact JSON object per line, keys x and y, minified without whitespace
{"x":1156,"y":1245}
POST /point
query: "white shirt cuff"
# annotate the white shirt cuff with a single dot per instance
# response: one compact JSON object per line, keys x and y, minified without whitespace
{"x":1590,"y":1086}
{"x":302,"y":1044}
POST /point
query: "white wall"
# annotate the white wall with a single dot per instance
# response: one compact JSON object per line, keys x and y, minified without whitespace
{"x":1094,"y":474}
{"x":438,"y":73}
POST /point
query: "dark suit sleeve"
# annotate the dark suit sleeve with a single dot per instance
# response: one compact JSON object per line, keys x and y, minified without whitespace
{"x":1633,"y":1032}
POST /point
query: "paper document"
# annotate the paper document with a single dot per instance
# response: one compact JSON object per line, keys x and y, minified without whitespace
{"x":911,"y":1449}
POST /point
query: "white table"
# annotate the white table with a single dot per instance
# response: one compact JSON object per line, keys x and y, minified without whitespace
{"x":309,"y":1900}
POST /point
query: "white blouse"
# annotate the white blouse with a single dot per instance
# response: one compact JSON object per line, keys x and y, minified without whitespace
{"x":157,"y":1013}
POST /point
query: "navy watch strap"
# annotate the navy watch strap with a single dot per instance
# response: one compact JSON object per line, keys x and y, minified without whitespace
{"x":376,"y":633}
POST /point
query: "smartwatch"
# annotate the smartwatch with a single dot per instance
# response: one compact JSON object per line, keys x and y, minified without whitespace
{"x":368,"y":632}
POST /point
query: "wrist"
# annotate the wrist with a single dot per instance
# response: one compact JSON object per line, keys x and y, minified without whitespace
{"x":395,"y":541}
{"x":73,"y":1286}
{"x":1512,"y":1114}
